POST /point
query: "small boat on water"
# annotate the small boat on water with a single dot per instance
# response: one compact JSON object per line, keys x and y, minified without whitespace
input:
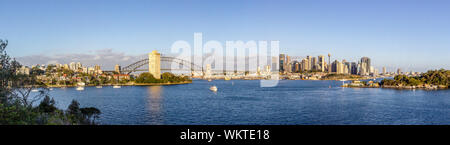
{"x":80,"y":88}
{"x":34,"y":90}
{"x":116,"y":87}
{"x":209,"y":80}
{"x":98,"y":87}
{"x":213,"y":88}
{"x":50,"y":89}
{"x":227,"y":78}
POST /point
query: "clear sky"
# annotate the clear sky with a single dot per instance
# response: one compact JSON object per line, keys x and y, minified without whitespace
{"x":394,"y":33}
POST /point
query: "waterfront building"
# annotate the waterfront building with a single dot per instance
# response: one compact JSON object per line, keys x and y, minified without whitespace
{"x":365,"y":63}
{"x":309,"y":65}
{"x":321,"y":63}
{"x":384,"y":70}
{"x":337,"y":67}
{"x":154,"y":64}
{"x":288,"y":64}
{"x":281,"y":62}
{"x":305,"y":64}
{"x":399,"y":71}
{"x":314,"y":62}
{"x":117,"y":68}
{"x":353,"y":68}
{"x":329,"y":63}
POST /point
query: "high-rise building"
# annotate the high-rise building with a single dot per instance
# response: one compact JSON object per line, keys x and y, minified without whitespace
{"x":309,"y":65}
{"x":282,"y":61}
{"x":329,"y":63}
{"x":154,"y":64}
{"x":365,"y":61}
{"x":353,"y":68}
{"x":314,"y":62}
{"x":337,"y":67}
{"x":322,"y":63}
{"x":384,"y":70}
{"x":305,"y":64}
{"x":399,"y":71}
{"x":288,"y":64}
{"x":296,"y":66}
{"x":117,"y":68}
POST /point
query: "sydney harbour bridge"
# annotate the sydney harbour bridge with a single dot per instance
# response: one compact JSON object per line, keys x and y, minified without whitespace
{"x":170,"y":64}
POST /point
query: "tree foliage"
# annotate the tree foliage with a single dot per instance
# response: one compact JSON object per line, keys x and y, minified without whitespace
{"x":431,"y":77}
{"x":16,"y":99}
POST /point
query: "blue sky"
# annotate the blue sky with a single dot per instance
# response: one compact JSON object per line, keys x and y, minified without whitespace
{"x":412,"y":35}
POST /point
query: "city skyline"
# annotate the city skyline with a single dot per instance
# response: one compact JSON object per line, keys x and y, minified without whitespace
{"x":411,"y":35}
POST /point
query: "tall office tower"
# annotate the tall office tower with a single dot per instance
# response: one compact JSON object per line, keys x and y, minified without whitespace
{"x":339,"y":68}
{"x":288,"y":64}
{"x":353,"y":68}
{"x":384,"y":70}
{"x":329,"y":63}
{"x":282,"y":61}
{"x":366,"y":61}
{"x":154,"y":64}
{"x":313,"y":63}
{"x":334,"y":66}
{"x":309,"y":65}
{"x":399,"y":71}
{"x":362,"y":68}
{"x":117,"y":68}
{"x":321,"y":63}
{"x":305,"y":64}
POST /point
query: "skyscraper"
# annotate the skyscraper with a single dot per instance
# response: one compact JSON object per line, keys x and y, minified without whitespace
{"x":154,"y":64}
{"x":117,"y":68}
{"x":313,"y":63}
{"x":309,"y":65}
{"x":288,"y":64}
{"x":329,"y":63}
{"x":365,"y":61}
{"x":282,"y":61}
{"x":321,"y":63}
{"x":384,"y":70}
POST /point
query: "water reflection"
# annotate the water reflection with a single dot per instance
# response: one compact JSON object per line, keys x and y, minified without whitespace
{"x":155,"y":104}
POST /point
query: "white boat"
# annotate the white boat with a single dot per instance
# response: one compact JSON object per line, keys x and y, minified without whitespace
{"x":209,"y":80}
{"x":34,"y":90}
{"x":98,"y":87}
{"x":50,"y":89}
{"x":116,"y":87}
{"x":80,"y":88}
{"x":213,"y":88}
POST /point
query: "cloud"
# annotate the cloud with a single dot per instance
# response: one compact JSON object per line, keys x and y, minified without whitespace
{"x":106,"y":58}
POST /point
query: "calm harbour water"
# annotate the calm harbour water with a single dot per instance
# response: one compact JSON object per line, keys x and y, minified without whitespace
{"x":245,"y":102}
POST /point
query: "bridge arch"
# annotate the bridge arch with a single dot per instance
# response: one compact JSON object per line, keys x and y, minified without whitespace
{"x":134,"y":67}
